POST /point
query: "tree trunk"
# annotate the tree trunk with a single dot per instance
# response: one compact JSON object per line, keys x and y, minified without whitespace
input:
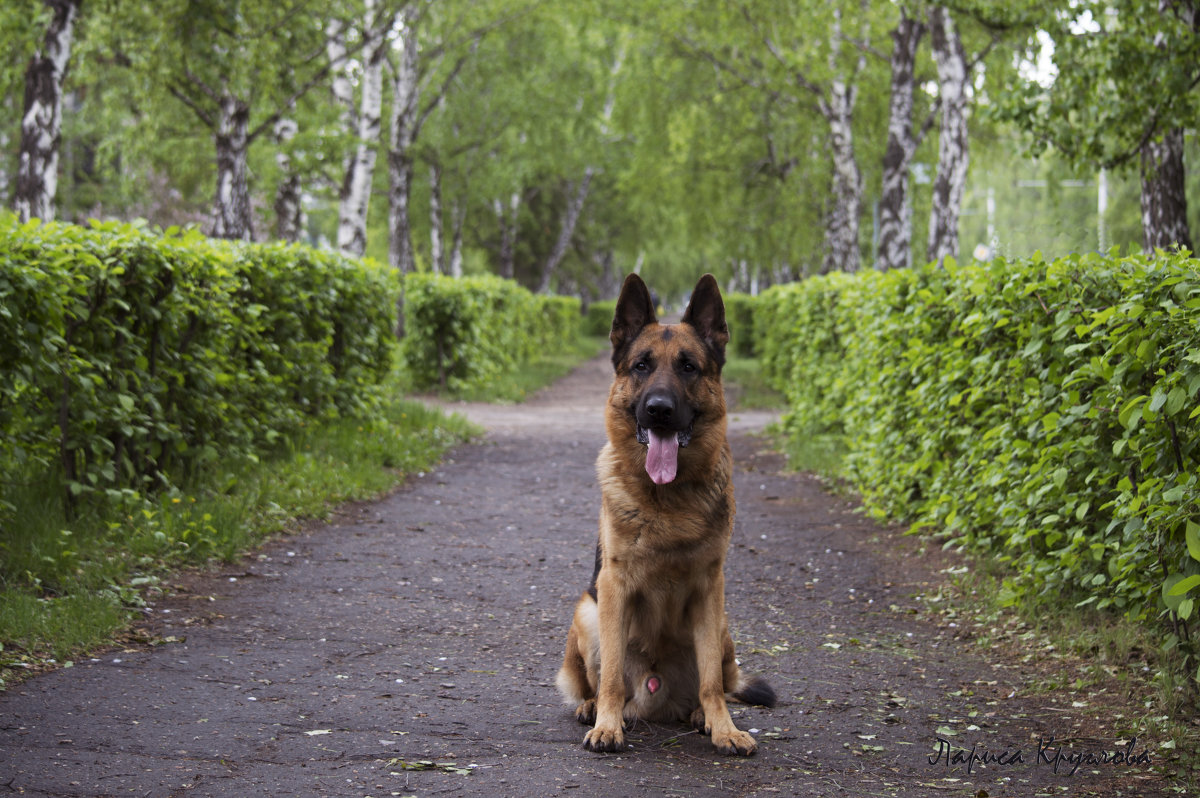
{"x":566,"y":232}
{"x":231,"y":210}
{"x":405,"y":104}
{"x":841,"y":231}
{"x":953,"y":150}
{"x":895,"y":210}
{"x":365,"y":124}
{"x":508,"y":233}
{"x":41,"y":125}
{"x":458,"y":216}
{"x":841,"y":226}
{"x":289,"y":210}
{"x":1164,"y":200}
{"x":437,"y":249}
{"x":579,"y":195}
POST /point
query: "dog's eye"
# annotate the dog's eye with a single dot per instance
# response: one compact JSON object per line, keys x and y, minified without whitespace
{"x":641,"y":367}
{"x":688,"y":367}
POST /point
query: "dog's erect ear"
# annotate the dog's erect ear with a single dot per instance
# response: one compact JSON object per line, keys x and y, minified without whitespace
{"x":706,"y":314}
{"x":635,"y":309}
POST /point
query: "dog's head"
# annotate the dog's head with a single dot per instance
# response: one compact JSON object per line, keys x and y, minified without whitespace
{"x":668,"y":376}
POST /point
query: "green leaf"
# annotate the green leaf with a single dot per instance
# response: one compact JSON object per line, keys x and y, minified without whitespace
{"x":1128,"y":416}
{"x":1185,"y":608}
{"x":1184,"y":585}
{"x":1193,"y":540}
{"x":1176,"y":399}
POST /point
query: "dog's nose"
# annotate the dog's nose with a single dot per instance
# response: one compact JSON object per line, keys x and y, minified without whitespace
{"x":660,"y":408}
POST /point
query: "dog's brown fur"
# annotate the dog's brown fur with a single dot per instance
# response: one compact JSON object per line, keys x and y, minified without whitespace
{"x":650,"y":639}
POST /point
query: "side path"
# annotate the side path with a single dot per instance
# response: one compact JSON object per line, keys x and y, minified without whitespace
{"x":410,"y":646}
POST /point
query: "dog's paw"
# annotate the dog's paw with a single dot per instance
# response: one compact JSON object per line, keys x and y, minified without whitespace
{"x":736,"y":742}
{"x":585,"y":713}
{"x":698,"y":721}
{"x":604,"y":740}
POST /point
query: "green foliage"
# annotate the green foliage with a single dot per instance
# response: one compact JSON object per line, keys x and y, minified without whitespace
{"x":66,"y":585}
{"x":599,"y":316}
{"x":133,"y":360}
{"x":739,"y":314}
{"x":1126,"y":70}
{"x":1043,"y":411}
{"x":462,"y":333}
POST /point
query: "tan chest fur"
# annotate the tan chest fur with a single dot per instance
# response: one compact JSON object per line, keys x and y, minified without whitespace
{"x":660,"y":549}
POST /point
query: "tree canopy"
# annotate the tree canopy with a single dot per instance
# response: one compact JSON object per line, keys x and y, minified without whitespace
{"x":566,"y":143}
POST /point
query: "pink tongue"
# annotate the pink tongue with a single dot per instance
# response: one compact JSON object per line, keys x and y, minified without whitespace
{"x":662,"y":458}
{"x":652,"y":684}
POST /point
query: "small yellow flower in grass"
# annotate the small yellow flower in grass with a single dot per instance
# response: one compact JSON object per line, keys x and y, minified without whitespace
{"x":176,"y":500}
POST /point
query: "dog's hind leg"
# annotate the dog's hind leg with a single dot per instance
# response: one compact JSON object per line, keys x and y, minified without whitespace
{"x":578,"y":675}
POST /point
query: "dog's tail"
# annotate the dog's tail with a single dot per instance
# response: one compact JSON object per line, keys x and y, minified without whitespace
{"x":755,"y":691}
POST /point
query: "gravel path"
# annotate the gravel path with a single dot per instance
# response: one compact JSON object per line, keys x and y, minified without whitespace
{"x":409,"y":647}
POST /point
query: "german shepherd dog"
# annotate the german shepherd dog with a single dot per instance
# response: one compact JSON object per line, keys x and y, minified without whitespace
{"x":649,"y":639}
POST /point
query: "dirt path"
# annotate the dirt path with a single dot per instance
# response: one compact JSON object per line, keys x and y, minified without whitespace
{"x":410,"y":646}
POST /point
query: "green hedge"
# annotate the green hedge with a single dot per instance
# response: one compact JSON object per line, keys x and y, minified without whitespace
{"x":461,"y":333}
{"x":739,"y":313}
{"x":599,"y":317}
{"x":1044,"y":411}
{"x":132,"y":359}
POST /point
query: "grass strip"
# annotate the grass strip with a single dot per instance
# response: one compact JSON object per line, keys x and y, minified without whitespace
{"x":71,"y":586}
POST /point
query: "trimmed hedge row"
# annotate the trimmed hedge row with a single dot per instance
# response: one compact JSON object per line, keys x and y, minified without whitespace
{"x":739,"y":313}
{"x":463,"y":332}
{"x":599,"y":317}
{"x":1046,"y":411}
{"x":131,"y":359}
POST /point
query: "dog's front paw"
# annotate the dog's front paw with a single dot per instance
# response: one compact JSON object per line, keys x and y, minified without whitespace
{"x":601,"y":739}
{"x":585,"y":713}
{"x":736,"y":742}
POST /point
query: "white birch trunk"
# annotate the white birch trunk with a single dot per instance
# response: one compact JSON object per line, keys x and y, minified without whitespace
{"x":231,"y":209}
{"x":578,"y":196}
{"x":508,"y":233}
{"x":841,"y":228}
{"x":405,"y":104}
{"x":41,"y":123}
{"x":895,"y":210}
{"x":458,"y":216}
{"x":1163,"y":196}
{"x":953,"y":147}
{"x":366,"y":124}
{"x":289,"y":209}
{"x":436,"y":243}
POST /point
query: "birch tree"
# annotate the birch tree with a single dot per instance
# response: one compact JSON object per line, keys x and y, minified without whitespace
{"x":421,"y":77}
{"x":239,"y":66}
{"x":837,"y":106}
{"x":895,"y":207}
{"x":406,"y":125}
{"x":578,"y":192}
{"x":953,"y":144}
{"x":821,"y":75}
{"x":361,"y":120}
{"x":289,"y":207}
{"x":1127,"y":73}
{"x":437,"y":256}
{"x":41,"y":120}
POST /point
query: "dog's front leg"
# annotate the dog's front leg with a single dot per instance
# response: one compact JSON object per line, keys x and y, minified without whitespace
{"x":614,"y":617}
{"x":710,"y":633}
